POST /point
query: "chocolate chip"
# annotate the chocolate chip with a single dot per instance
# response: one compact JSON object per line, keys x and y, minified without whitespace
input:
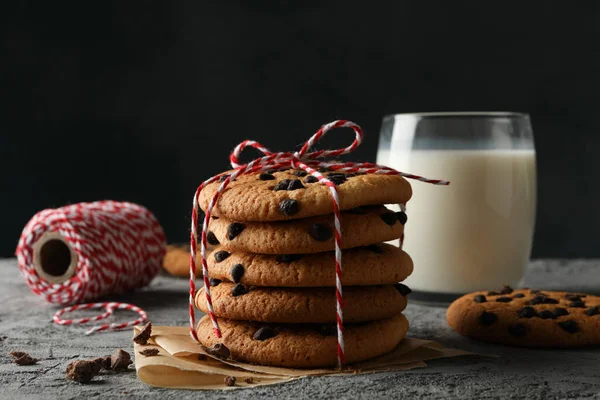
{"x":143,"y":336}
{"x":264,"y":333}
{"x":237,"y":271}
{"x":337,"y":178}
{"x":82,"y":371}
{"x":218,"y":350}
{"x":311,"y":179}
{"x":214,"y":217}
{"x":518,"y":296}
{"x":223,"y":177}
{"x":320,"y":232}
{"x":569,"y":326}
{"x":282,"y":185}
{"x":22,"y":358}
{"x":527,"y":312}
{"x":546,"y":314}
{"x":402,"y":217}
{"x":234,"y":229}
{"x":289,"y":207}
{"x":487,"y":318}
{"x":542,"y":299}
{"x":328,"y":330}
{"x":230,"y":381}
{"x":559,"y":312}
{"x":592,"y":311}
{"x":266,"y":177}
{"x":403,"y":289}
{"x":239,"y":290}
{"x":300,"y":173}
{"x":479,"y":298}
{"x":149,"y":352}
{"x":120,"y":360}
{"x":550,"y":300}
{"x":214,"y":282}
{"x":577,"y":304}
{"x":374,"y":248}
{"x":295,"y":184}
{"x":389,"y":217}
{"x":572,"y":297}
{"x":221,"y":255}
{"x":504,"y":299}
{"x":506,"y":290}
{"x":493,"y":293}
{"x":288,"y":258}
{"x":517,"y":330}
{"x":212,"y":239}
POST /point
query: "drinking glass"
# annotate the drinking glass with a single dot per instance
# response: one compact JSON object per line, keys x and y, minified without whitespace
{"x":476,"y":233}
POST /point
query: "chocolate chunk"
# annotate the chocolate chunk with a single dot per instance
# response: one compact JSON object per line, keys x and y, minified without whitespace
{"x":577,"y":304}
{"x":214,"y":282}
{"x":402,"y":217}
{"x":149,"y":352}
{"x":559,"y":312}
{"x":239,"y":290}
{"x":223,"y":177}
{"x":493,"y":293}
{"x":234,"y":229}
{"x":143,"y":336}
{"x":357,"y":210}
{"x":537,"y":300}
{"x":506,"y":290}
{"x":311,"y":179}
{"x":517,"y":330}
{"x":487,"y":318}
{"x":221,"y":255}
{"x":479,"y":298}
{"x":550,"y":300}
{"x":249,"y":380}
{"x":295,"y":184}
{"x":403,"y":289}
{"x":264,"y":333}
{"x":282,"y":185}
{"x":389,"y":217}
{"x":572,"y":297}
{"x":82,"y":371}
{"x":320,"y":232}
{"x":212,"y":239}
{"x":22,"y":358}
{"x":518,"y":296}
{"x":527,"y":312}
{"x":504,"y":299}
{"x":374,"y":248}
{"x":328,"y":330}
{"x":300,"y":173}
{"x":103,"y":362}
{"x":266,"y":177}
{"x":546,"y":314}
{"x":120,"y":360}
{"x":230,"y":380}
{"x":337,"y":179}
{"x":237,"y":271}
{"x":569,"y":326}
{"x":592,"y":311}
{"x":289,"y":207}
{"x":288,"y":258}
{"x":219,"y":350}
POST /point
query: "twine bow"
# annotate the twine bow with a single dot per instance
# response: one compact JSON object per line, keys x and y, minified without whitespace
{"x":307,"y":161}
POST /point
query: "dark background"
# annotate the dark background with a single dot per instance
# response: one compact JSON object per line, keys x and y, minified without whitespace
{"x":141,"y":102}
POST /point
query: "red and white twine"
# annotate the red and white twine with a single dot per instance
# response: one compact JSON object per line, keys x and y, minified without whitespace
{"x":307,"y":161}
{"x":120,"y":246}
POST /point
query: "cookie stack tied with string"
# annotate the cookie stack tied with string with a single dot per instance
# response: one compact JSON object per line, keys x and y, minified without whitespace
{"x":290,"y":231}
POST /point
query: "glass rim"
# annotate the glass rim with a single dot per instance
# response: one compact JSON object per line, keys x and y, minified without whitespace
{"x":451,"y":114}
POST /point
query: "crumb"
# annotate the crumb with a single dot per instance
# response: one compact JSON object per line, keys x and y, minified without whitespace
{"x":120,"y":360}
{"x":103,"y":362}
{"x":22,"y":358}
{"x":144,"y":335}
{"x":82,"y":371}
{"x":230,"y":380}
{"x":149,"y":352}
{"x":249,"y":380}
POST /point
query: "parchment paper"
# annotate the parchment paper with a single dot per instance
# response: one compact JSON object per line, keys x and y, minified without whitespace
{"x":177,"y":364}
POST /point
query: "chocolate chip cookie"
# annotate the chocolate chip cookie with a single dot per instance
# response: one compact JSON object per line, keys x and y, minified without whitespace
{"x":177,"y":260}
{"x":291,"y":194}
{"x":309,"y":235}
{"x":303,"y":345}
{"x":528,"y":318}
{"x":376,"y":264}
{"x":302,"y":305}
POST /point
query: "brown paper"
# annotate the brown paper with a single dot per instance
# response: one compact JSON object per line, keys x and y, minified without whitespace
{"x":177,"y":364}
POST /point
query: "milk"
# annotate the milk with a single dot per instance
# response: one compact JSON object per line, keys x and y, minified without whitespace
{"x":476,"y":233}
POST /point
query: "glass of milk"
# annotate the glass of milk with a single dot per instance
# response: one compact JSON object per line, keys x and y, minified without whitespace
{"x":475,"y":234}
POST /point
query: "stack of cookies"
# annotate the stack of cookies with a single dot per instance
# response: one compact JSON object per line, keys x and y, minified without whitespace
{"x":273,"y":268}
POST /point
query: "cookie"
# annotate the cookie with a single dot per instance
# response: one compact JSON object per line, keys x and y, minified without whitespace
{"x":301,"y":305}
{"x":290,"y":194}
{"x":303,"y":346}
{"x":177,"y":260}
{"x":377,"y":264}
{"x":308,"y":235}
{"x":528,"y":318}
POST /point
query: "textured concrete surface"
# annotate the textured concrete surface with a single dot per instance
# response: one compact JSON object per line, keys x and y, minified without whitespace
{"x":25,"y":324}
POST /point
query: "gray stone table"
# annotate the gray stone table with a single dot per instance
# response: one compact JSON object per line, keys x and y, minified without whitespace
{"x":25,"y":324}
